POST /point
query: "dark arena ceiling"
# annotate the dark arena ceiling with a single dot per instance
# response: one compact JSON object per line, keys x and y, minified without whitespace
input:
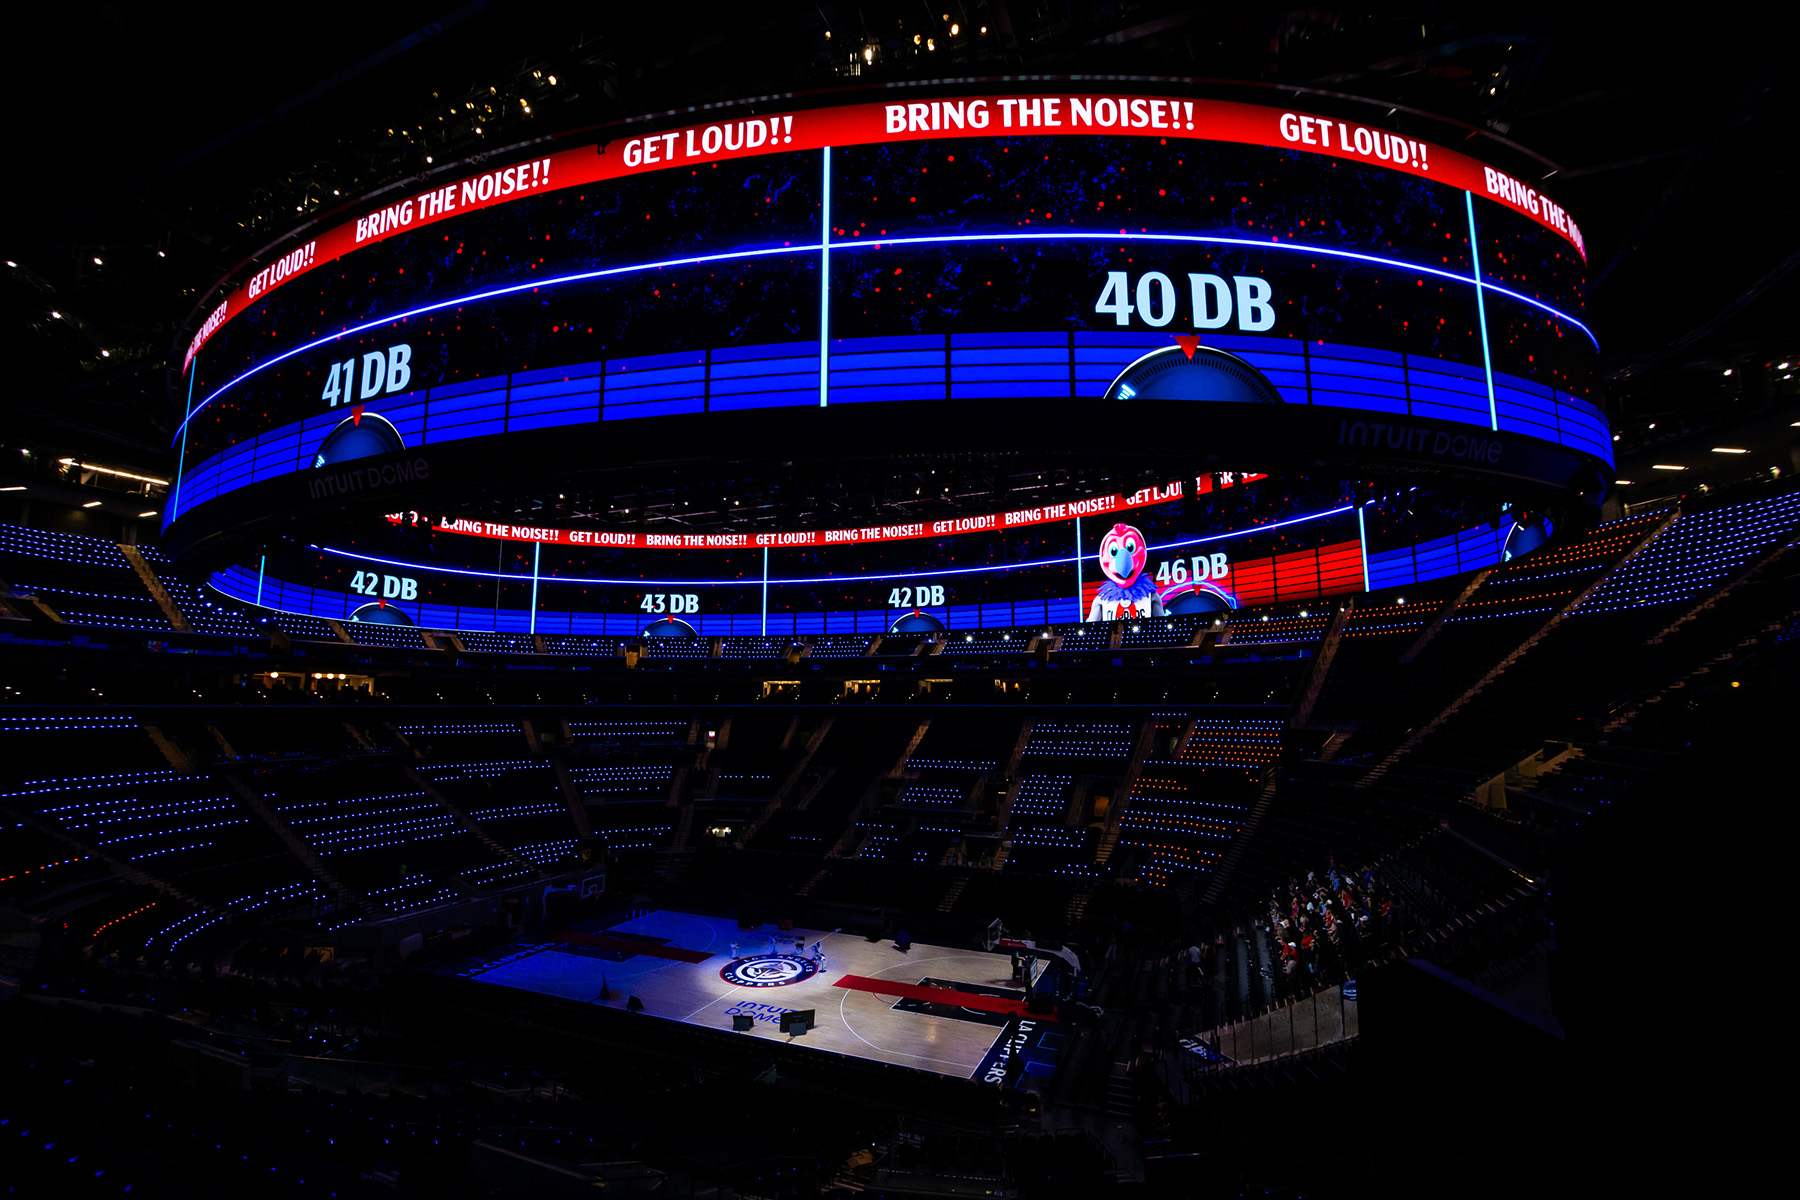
{"x":162,"y":150}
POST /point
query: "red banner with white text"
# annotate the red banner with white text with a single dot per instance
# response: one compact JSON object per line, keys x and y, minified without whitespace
{"x":1171,"y":119}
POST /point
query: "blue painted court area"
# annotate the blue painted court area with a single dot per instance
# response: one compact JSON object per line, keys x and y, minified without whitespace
{"x":705,"y":971}
{"x":558,"y":970}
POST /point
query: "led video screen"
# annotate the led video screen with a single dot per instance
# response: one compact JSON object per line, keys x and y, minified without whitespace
{"x":981,"y":249}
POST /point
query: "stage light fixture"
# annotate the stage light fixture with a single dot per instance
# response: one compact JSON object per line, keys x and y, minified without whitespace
{"x":1729,"y":450}
{"x":92,"y":504}
{"x":77,"y":463}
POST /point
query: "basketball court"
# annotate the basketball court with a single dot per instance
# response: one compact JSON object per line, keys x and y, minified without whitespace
{"x":954,"y":1012}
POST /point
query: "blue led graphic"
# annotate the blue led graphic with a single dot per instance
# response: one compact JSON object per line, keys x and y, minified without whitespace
{"x":913,"y":367}
{"x":827,"y":245}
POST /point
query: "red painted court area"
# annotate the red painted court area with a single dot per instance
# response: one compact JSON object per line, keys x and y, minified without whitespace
{"x":936,"y":995}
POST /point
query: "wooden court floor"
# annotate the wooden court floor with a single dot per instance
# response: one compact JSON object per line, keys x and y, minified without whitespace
{"x":765,"y":973}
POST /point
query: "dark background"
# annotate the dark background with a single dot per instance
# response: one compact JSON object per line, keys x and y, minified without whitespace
{"x":173,"y":141}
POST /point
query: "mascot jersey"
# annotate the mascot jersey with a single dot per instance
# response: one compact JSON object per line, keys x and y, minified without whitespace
{"x":1126,"y":591}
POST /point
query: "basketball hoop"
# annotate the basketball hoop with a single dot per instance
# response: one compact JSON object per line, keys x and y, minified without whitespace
{"x":991,"y":936}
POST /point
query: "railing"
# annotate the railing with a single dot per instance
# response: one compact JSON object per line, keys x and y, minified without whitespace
{"x":1321,"y":1019}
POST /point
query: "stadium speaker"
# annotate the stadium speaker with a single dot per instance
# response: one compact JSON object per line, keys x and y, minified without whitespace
{"x":1040,"y":1003}
{"x":634,"y":1005}
{"x":802,"y":1016}
{"x":742,"y":1023}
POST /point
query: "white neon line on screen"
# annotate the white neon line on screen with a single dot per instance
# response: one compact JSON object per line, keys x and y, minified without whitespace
{"x":837,"y":579}
{"x":1487,"y":358}
{"x":877,"y":243}
{"x":174,"y":505}
{"x":1362,"y":536}
{"x":825,"y":287}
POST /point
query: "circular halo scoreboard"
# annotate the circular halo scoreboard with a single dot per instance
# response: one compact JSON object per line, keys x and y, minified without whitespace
{"x":1243,"y":310}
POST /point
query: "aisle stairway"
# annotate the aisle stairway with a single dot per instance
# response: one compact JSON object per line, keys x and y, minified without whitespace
{"x":252,"y":798}
{"x":154,"y":586}
{"x":1469,"y":693}
{"x":1234,"y":853}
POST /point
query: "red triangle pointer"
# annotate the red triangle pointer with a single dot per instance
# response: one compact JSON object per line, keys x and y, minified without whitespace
{"x":1187,"y":341}
{"x":356,"y":413}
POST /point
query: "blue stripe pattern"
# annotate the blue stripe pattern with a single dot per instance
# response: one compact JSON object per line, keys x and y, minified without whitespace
{"x":1470,"y":550}
{"x":963,"y":366}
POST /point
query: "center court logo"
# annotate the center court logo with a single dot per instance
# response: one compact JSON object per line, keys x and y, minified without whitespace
{"x":768,"y":970}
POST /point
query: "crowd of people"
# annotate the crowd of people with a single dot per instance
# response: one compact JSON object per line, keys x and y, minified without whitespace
{"x":1325,"y":926}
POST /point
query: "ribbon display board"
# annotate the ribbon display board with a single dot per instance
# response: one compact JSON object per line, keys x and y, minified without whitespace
{"x":989,"y":115}
{"x":985,"y":523}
